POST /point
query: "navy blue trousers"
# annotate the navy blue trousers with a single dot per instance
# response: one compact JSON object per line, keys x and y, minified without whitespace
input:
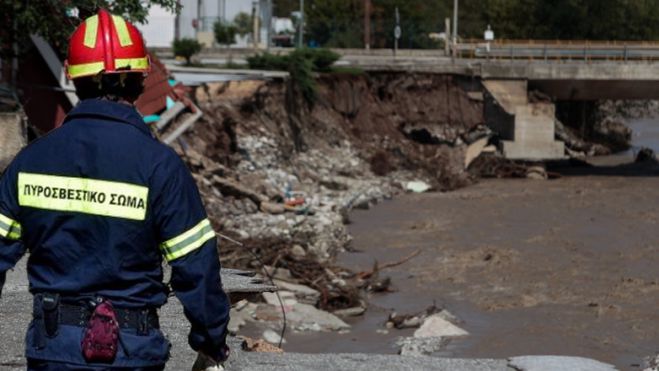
{"x":39,"y":365}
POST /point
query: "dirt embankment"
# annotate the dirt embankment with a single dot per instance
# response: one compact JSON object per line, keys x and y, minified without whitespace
{"x":281,"y":175}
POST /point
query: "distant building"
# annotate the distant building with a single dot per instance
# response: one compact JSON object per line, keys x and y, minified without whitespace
{"x":197,"y":18}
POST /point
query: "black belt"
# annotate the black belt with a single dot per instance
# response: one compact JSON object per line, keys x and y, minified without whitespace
{"x":140,"y":319}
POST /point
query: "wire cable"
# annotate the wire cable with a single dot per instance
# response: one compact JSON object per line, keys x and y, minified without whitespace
{"x":270,"y":278}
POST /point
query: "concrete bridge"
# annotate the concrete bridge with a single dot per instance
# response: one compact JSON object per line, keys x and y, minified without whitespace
{"x":566,"y":72}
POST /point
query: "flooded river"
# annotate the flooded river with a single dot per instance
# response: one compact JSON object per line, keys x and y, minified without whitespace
{"x":566,"y":266}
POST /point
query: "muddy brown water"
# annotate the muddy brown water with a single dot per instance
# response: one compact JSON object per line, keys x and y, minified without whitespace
{"x":567,"y":267}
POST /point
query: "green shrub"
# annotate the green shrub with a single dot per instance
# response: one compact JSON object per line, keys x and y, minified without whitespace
{"x":186,"y":48}
{"x":269,"y":62}
{"x":322,"y":59}
{"x":225,"y":33}
{"x":300,"y":64}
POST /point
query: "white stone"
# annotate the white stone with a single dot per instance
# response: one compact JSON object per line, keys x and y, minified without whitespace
{"x":417,"y":186}
{"x":437,"y":326}
{"x":273,"y":337}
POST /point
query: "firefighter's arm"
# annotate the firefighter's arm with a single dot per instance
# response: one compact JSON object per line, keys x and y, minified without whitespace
{"x":189,"y":246}
{"x":11,"y":247}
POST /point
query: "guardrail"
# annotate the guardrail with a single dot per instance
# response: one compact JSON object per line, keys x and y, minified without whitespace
{"x":560,"y":50}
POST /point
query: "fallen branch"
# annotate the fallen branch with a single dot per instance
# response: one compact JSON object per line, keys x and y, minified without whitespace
{"x":376,"y":268}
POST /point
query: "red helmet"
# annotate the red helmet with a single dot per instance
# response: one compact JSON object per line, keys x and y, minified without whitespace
{"x":106,"y":43}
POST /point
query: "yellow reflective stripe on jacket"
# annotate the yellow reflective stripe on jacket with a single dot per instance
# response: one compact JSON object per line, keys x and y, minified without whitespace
{"x":133,"y":63}
{"x":91,"y":30}
{"x":188,"y":241}
{"x":122,"y":31}
{"x":85,"y":69}
{"x":9,"y":228}
{"x":83,"y":195}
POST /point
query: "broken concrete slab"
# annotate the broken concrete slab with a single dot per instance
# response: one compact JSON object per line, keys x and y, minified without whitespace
{"x":287,"y":299}
{"x":305,"y":317}
{"x":303,"y":294}
{"x":238,"y":281}
{"x":558,"y":363}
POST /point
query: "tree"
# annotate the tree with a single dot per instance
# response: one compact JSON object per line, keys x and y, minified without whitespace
{"x":186,"y":48}
{"x":48,"y":18}
{"x":243,"y":23}
{"x":225,"y":33}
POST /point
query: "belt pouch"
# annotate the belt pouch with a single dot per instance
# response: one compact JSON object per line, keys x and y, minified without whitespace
{"x":38,"y":322}
{"x":50,"y":307}
{"x":101,"y":338}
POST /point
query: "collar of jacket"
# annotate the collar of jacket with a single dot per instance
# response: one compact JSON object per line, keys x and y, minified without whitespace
{"x":105,"y":109}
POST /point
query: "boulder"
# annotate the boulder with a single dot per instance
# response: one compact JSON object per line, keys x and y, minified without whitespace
{"x":437,"y":326}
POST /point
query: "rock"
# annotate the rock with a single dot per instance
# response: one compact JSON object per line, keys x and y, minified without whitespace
{"x":652,"y":363}
{"x":645,"y":155}
{"x":536,"y":173}
{"x":237,"y":320}
{"x":613,"y":133}
{"x":474,"y":150}
{"x":437,"y":326}
{"x":557,"y":363}
{"x":350,"y":312}
{"x":298,"y":251}
{"x":272,"y":208}
{"x":410,"y":346}
{"x":305,"y":317}
{"x":303,"y":294}
{"x":417,"y":186}
{"x":273,"y":337}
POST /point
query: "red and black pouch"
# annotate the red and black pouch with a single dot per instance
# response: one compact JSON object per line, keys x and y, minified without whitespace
{"x":101,"y":337}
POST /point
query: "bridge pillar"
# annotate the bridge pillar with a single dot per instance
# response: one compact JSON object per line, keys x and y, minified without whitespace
{"x":527,"y":129}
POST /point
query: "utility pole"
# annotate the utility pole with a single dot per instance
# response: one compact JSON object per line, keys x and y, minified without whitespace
{"x":455,"y":24}
{"x":397,"y":32}
{"x":255,"y":26}
{"x":300,"y":40}
{"x":367,"y":24}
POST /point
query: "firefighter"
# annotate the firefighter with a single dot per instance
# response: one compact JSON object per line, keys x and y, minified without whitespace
{"x":98,"y":203}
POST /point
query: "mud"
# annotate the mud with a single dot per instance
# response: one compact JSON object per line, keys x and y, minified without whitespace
{"x":561,"y":267}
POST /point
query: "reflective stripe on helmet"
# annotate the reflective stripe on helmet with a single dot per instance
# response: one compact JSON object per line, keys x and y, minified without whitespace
{"x":90,"y":69}
{"x":9,"y":228}
{"x":122,"y":31}
{"x":91,"y":29}
{"x":132,"y":63}
{"x":85,"y":69}
{"x":82,"y":195}
{"x":188,"y":241}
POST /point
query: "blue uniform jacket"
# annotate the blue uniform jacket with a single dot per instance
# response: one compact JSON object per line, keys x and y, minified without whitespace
{"x":98,"y":203}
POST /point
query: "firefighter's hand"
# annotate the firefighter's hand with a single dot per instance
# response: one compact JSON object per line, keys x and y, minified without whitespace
{"x":206,"y":363}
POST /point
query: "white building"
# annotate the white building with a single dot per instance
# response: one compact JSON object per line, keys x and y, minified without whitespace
{"x":197,"y":18}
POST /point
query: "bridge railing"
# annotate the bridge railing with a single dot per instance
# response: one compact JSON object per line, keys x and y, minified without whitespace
{"x":560,"y":50}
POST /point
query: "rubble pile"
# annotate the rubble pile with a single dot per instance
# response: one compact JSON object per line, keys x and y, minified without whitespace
{"x":281,"y":176}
